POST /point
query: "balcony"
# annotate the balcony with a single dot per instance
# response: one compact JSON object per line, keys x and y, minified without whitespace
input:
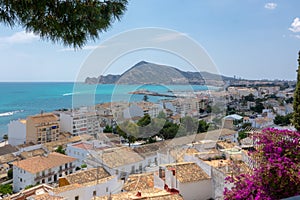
{"x":44,"y":176}
{"x":66,"y":169}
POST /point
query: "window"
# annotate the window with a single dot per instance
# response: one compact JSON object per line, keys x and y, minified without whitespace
{"x":66,"y":165}
{"x":94,"y":193}
{"x":77,"y":198}
{"x":106,"y":189}
{"x":49,"y":179}
{"x":21,"y":180}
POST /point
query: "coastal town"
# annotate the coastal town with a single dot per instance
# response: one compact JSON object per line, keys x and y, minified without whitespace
{"x":177,"y":148}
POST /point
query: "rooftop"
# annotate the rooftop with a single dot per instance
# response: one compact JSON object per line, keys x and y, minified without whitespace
{"x":42,"y":118}
{"x":139,"y":182}
{"x":41,"y":163}
{"x":83,"y":145}
{"x":120,"y":156}
{"x":187,"y":172}
{"x":7,"y":149}
{"x":87,"y":175}
{"x":149,"y":149}
{"x":225,"y":145}
{"x":46,"y":196}
{"x":29,"y":154}
{"x":152,"y":194}
{"x":8,"y":158}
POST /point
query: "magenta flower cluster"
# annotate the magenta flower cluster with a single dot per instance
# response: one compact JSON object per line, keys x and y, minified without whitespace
{"x":277,"y":173}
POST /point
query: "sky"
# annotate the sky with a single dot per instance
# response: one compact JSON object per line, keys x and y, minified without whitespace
{"x":252,"y":39}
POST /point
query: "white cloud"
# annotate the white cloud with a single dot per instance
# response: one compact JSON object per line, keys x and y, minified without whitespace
{"x":19,"y":38}
{"x":270,"y":6}
{"x":89,"y":47}
{"x":295,"y":26}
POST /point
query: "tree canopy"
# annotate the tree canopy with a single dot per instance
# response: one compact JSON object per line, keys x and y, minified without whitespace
{"x":71,"y":22}
{"x":296,"y":103}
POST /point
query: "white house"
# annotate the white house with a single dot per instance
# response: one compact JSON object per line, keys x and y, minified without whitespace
{"x":81,"y":150}
{"x":87,"y":184}
{"x":17,"y":132}
{"x":41,"y":169}
{"x":119,"y":161}
{"x":187,"y":178}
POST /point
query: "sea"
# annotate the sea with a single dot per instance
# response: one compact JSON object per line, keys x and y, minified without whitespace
{"x":21,"y":99}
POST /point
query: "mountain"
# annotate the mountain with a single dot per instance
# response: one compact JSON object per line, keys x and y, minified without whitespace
{"x":151,"y":73}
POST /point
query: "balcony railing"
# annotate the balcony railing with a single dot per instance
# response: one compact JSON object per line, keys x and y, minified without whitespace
{"x":44,"y":176}
{"x":66,"y":169}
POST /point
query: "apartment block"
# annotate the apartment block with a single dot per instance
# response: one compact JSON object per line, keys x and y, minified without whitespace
{"x":42,"y":128}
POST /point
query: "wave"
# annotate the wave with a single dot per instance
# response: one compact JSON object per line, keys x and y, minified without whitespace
{"x":10,"y":113}
{"x":71,"y":93}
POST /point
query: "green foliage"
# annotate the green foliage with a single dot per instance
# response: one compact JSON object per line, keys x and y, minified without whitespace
{"x":72,"y":22}
{"x":6,"y":189}
{"x":28,"y":187}
{"x":83,"y":166}
{"x":249,"y":97}
{"x":5,"y":137}
{"x":10,"y":174}
{"x":169,"y":130}
{"x":107,"y":129}
{"x":144,"y":121}
{"x":242,"y":135}
{"x":258,"y":107}
{"x":296,"y":103}
{"x":202,"y":127}
{"x":283,"y":120}
{"x":60,"y":150}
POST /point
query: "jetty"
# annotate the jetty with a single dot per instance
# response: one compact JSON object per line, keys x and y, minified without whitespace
{"x":151,"y":93}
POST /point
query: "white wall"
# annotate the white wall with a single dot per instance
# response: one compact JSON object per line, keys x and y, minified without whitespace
{"x":79,"y":153}
{"x":16,"y":133}
{"x":102,"y":189}
{"x":196,"y":190}
{"x":21,"y":179}
{"x":66,"y":122}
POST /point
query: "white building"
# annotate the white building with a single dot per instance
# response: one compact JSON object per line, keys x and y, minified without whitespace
{"x":17,"y":132}
{"x":80,"y":122}
{"x":87,"y":184}
{"x":82,"y":150}
{"x":41,"y":169}
{"x":120,"y":161}
{"x":187,"y":178}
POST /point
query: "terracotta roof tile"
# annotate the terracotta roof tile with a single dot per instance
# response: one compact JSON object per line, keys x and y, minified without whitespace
{"x":139,"y":182}
{"x":116,"y":157}
{"x":87,"y":175}
{"x":41,"y":163}
{"x":153,"y":193}
{"x":188,"y":172}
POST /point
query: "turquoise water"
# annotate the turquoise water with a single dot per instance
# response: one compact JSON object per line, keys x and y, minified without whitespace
{"x":19,"y":100}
